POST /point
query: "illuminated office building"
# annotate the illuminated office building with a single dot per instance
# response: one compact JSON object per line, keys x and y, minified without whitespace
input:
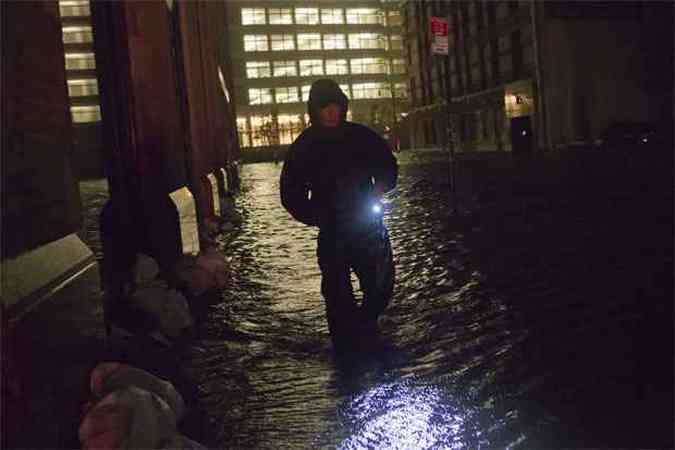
{"x":279,"y":48}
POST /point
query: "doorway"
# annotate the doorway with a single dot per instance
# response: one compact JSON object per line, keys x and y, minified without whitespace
{"x":521,"y":135}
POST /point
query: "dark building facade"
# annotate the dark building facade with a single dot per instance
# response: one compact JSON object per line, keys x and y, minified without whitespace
{"x":525,"y":75}
{"x":80,"y":64}
{"x":145,"y":86}
{"x":280,"y":47}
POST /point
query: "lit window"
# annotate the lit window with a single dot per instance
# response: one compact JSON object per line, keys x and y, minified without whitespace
{"x":83,"y":88}
{"x":85,"y":114}
{"x":398,"y":66}
{"x":74,"y":8}
{"x":401,"y":90}
{"x":305,"y":92}
{"x":255,"y":43}
{"x":334,"y":42}
{"x":309,"y":41}
{"x":290,"y":127}
{"x":396,"y":42}
{"x":371,"y":90}
{"x":78,"y":35}
{"x":280,"y":16}
{"x":394,"y":19}
{"x":244,"y":132}
{"x":337,"y":67}
{"x":311,"y":67}
{"x":306,"y":16}
{"x":80,"y":61}
{"x":260,"y":96}
{"x":332,"y":16}
{"x":288,"y":94}
{"x":253,"y":16}
{"x":285,"y":69}
{"x":367,"y":41}
{"x":281,"y":42}
{"x":258,"y":69}
{"x":365,"y":16}
{"x":369,"y":66}
{"x":345,"y":89}
{"x":263,"y":131}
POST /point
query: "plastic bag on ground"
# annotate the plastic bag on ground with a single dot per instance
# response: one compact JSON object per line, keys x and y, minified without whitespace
{"x":111,"y":376}
{"x":129,"y":418}
{"x":167,"y":306}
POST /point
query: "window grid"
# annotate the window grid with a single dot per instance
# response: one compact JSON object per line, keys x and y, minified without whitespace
{"x":309,"y":41}
{"x":305,"y":91}
{"x":78,"y":35}
{"x":364,"y":16}
{"x":369,"y":66}
{"x":337,"y":67}
{"x":290,"y":127}
{"x":332,"y":16}
{"x":75,"y":8}
{"x":83,"y":88}
{"x":262,"y":130}
{"x":80,"y":61}
{"x":261,"y":96}
{"x":307,"y":16}
{"x":287,"y":94}
{"x":258,"y":69}
{"x":282,"y":42}
{"x":371,"y":90}
{"x":367,"y":41}
{"x":334,"y":42}
{"x":255,"y":43}
{"x":253,"y":16}
{"x":311,"y":67}
{"x":280,"y":16}
{"x":285,"y":69}
{"x":85,"y":114}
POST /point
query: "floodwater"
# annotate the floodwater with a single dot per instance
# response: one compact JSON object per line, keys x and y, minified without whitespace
{"x":540,"y":316}
{"x":519,"y":323}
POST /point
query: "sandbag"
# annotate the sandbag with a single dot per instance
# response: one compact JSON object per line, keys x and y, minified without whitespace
{"x":128,"y":418}
{"x":167,"y":306}
{"x":215,"y":263}
{"x":193,"y":278}
{"x":111,"y":376}
{"x":145,"y":269}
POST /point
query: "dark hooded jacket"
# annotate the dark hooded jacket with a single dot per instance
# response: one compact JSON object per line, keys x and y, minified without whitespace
{"x":329,"y":173}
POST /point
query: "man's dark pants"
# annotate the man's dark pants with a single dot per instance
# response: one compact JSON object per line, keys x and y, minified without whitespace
{"x":366,"y":250}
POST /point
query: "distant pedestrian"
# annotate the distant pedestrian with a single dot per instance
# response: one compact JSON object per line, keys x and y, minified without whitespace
{"x":334,"y":176}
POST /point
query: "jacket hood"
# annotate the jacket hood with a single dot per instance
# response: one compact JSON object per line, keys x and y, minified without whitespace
{"x":322,"y":93}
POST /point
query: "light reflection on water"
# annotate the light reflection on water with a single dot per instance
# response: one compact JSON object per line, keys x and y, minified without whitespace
{"x":403,"y":415}
{"x":470,"y":355}
{"x":396,"y":395}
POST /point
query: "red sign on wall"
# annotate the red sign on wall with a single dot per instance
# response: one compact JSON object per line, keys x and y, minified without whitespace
{"x":439,"y":33}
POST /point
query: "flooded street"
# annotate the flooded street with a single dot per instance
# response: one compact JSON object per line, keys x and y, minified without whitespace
{"x":532,"y":319}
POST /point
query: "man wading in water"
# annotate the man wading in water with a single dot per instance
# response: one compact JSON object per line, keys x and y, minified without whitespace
{"x":334,"y":176}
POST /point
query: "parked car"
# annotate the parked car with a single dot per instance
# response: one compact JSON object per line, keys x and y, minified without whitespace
{"x":632,"y":136}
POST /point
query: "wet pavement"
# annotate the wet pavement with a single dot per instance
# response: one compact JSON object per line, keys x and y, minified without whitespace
{"x":540,"y":316}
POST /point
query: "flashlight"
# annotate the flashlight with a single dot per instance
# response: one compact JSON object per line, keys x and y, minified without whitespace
{"x":377,"y":208}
